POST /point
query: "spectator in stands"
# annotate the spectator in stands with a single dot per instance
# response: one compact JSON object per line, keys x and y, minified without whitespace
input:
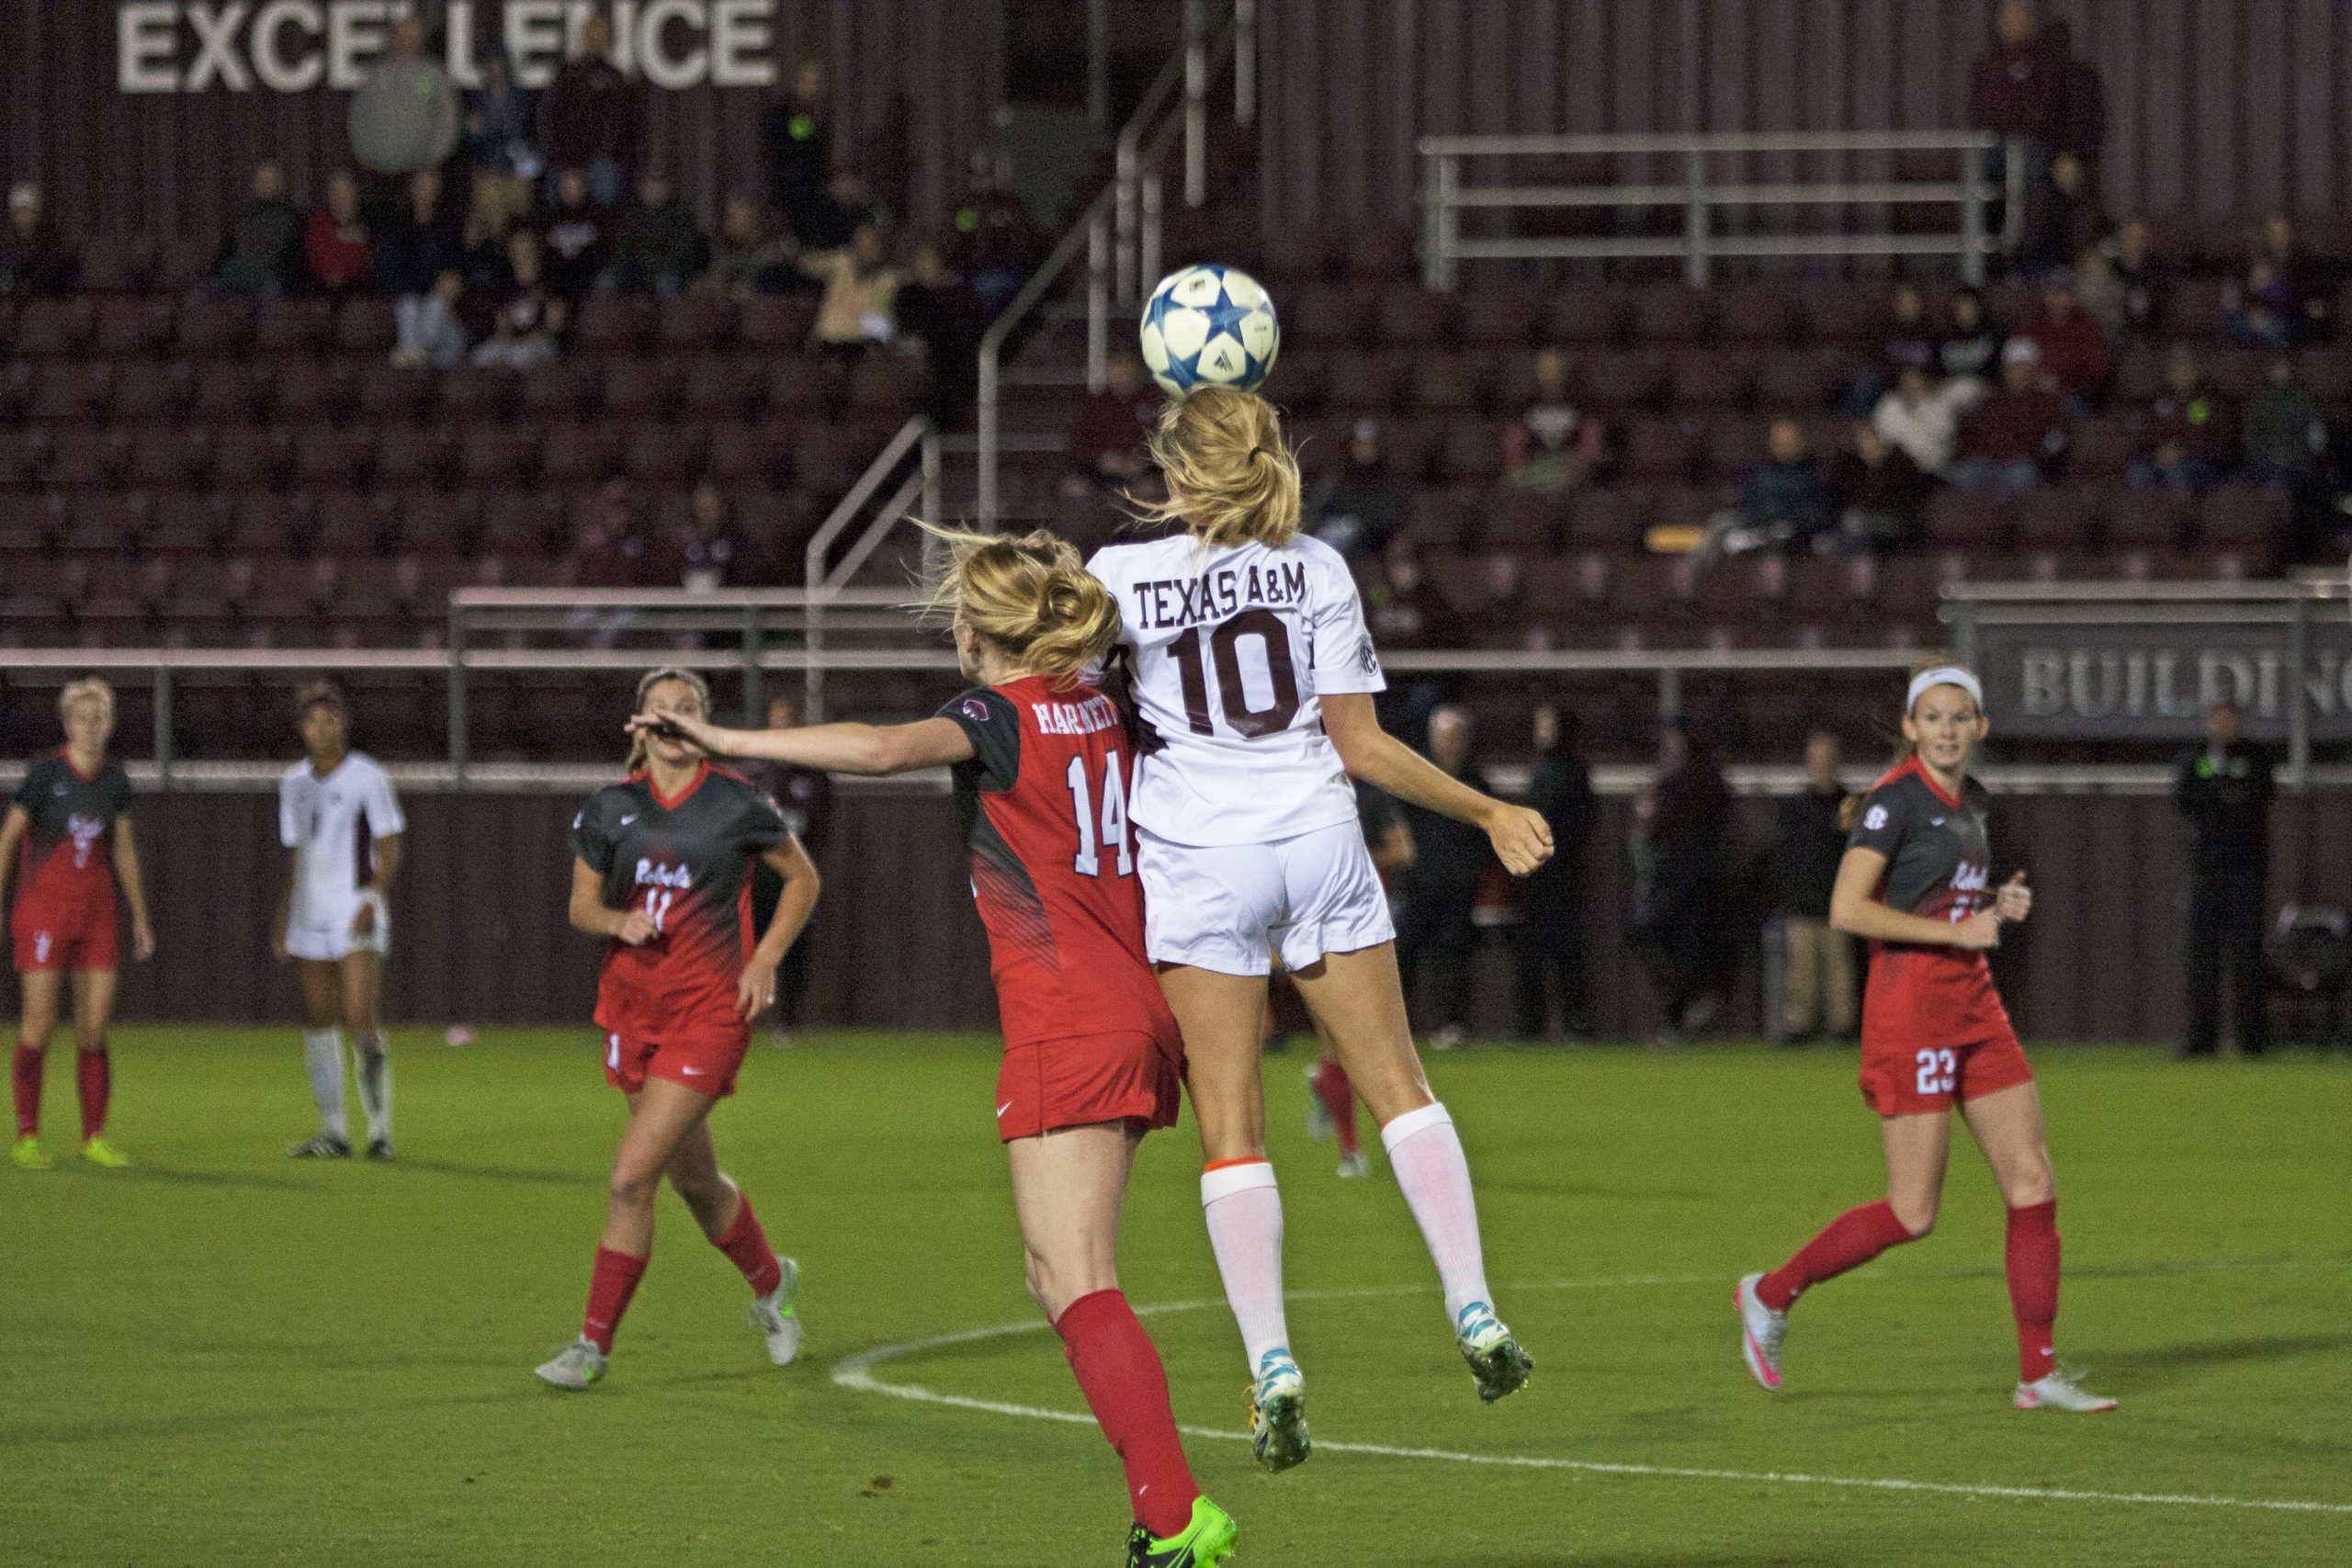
{"x":404,"y":120}
{"x":1683,"y":866}
{"x":34,"y":257}
{"x":500,"y":204}
{"x":2274,"y":241}
{"x":614,"y":550}
{"x":1551,"y":447}
{"x":1406,"y":610}
{"x":2013,"y":91}
{"x":2007,"y":437}
{"x":1106,"y":438}
{"x":938,"y":310}
{"x":1548,"y":952}
{"x":336,"y":247}
{"x":2067,"y":217}
{"x":2183,"y":431}
{"x":2081,"y":126}
{"x":2102,"y":294}
{"x":2260,"y":308}
{"x":996,"y":240}
{"x":577,"y":231}
{"x":1820,"y":991}
{"x":1972,"y":341}
{"x":796,"y":144}
{"x":1921,"y":417}
{"x":261,"y":254}
{"x":658,"y":247}
{"x":747,"y":259}
{"x":861,"y":292}
{"x":2146,"y":281}
{"x":414,"y":250}
{"x":829,"y":221}
{"x":526,"y":331}
{"x":1441,"y":889}
{"x":501,"y":123}
{"x":1784,"y":502}
{"x":1880,"y":492}
{"x":1359,"y":503}
{"x":2074,"y":356}
{"x":591,"y":117}
{"x":432,"y":326}
{"x":711,"y":549}
{"x":2285,"y":440}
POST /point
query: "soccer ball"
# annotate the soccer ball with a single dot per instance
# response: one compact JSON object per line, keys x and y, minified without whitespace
{"x":1209,"y":326}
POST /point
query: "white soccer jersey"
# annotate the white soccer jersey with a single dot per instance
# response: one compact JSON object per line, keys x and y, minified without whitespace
{"x":335,"y":821}
{"x":1233,"y":648}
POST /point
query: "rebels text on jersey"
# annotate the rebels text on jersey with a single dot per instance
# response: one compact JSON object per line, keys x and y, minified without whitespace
{"x":685,"y":861}
{"x":68,"y":855}
{"x":1043,"y":803}
{"x":1939,"y":866}
{"x":1233,"y":649}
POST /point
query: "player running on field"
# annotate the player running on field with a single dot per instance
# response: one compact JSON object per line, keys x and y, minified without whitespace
{"x":1331,"y":1098}
{"x":342,"y":831}
{"x":1092,"y":1056}
{"x":72,"y":818}
{"x":662,"y":870}
{"x":1254,"y":683}
{"x":1917,"y":880}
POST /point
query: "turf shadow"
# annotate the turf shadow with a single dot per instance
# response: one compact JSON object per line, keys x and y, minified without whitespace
{"x":157,"y":1173}
{"x":492,"y":1172}
{"x":2221,"y":1352}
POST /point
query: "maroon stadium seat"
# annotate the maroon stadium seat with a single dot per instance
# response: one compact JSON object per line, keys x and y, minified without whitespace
{"x":803,"y":388}
{"x":694,"y":322}
{"x":1616,"y":380}
{"x":70,"y":390}
{"x":1851,"y":317}
{"x":330,"y":455}
{"x":103,"y":522}
{"x":1381,"y":254}
{"x":496,"y":455}
{"x":1965,"y":520}
{"x":1732,"y":445}
{"x":2100,"y":448}
{"x":611,"y":323}
{"x":1672,"y":313}
{"x":249,"y":454}
{"x":1763,"y":314}
{"x":2139,"y":375}
{"x":353,"y":523}
{"x":638,"y":390}
{"x":2061,"y":520}
{"x":662,"y":455}
{"x":129,"y":325}
{"x":366,"y":323}
{"x":776,"y":321}
{"x":210,"y":328}
{"x":475,"y":395}
{"x":1329,"y":315}
{"x":307,"y":389}
{"x":1467,"y":451}
{"x":117,"y":263}
{"x":1658,"y":450}
{"x":265,"y":520}
{"x":574,"y":453}
{"x":2239,"y":373}
{"x":1501,"y":317}
{"x":568,"y":389}
{"x":1524,"y":522}
{"x":22,"y":454}
{"x":293,"y":327}
{"x":1362,"y":382}
{"x":412,"y":455}
{"x":516,"y":523}
{"x":168,"y":454}
{"x":713,"y":386}
{"x":386,"y":392}
{"x":1800,"y":381}
{"x":52,"y":329}
{"x":225,"y":390}
{"x":183,"y":261}
{"x":1584,"y":313}
{"x":1416,"y":318}
{"x":182,"y":522}
{"x":147,"y":389}
{"x":887,"y":385}
{"x":84,"y":455}
{"x":1709,"y":380}
{"x":2248,"y":519}
{"x":1610,"y":519}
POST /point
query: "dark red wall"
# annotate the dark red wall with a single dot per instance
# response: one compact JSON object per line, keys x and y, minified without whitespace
{"x":480,"y":932}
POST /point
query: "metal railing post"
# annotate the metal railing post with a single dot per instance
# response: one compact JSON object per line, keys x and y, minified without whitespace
{"x":1669,"y":692}
{"x":931,"y":474}
{"x":1148,"y":247}
{"x":1972,"y":219}
{"x":1196,"y":102}
{"x":754,"y":709}
{"x":1245,"y":63}
{"x":985,"y":424}
{"x":1694,"y":219}
{"x":812,"y":678}
{"x":1122,"y":207}
{"x":162,"y":726}
{"x":1098,"y":300}
{"x":457,"y":694}
{"x":2298,"y":718}
{"x":1446,"y":224}
{"x":2013,"y":195}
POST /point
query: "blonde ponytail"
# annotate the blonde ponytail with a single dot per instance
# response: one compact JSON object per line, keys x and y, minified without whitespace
{"x":1232,"y":479}
{"x":1027,"y":594}
{"x":637,"y":754}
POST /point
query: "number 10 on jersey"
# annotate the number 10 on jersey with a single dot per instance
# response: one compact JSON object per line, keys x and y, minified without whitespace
{"x":1089,"y":859}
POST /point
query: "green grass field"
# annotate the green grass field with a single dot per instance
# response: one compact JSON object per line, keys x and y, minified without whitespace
{"x":226,"y":1358}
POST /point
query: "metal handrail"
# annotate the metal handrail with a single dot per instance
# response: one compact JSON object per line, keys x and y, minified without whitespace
{"x":1443,"y":198}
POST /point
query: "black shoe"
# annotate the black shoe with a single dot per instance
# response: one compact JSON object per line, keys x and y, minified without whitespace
{"x":379,"y":1149}
{"x":326,"y":1146}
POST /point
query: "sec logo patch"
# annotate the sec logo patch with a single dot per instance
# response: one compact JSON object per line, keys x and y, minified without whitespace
{"x":1876,"y":819}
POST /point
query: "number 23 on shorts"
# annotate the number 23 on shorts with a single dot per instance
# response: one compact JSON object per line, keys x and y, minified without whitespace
{"x":1937,"y":1071}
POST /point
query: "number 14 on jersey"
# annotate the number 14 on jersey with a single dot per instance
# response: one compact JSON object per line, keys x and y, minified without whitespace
{"x":1089,"y":859}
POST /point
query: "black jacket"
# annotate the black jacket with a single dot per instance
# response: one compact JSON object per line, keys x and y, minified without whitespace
{"x":1811,"y":846}
{"x":2226,"y":802}
{"x":1447,"y":853}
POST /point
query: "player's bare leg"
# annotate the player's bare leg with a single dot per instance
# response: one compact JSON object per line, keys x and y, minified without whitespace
{"x":39,"y":989}
{"x":2007,"y":1126}
{"x":94,"y":992}
{"x":321,"y":988}
{"x":1359,"y":999}
{"x":1220,"y":1016}
{"x":725,"y":1215}
{"x":1067,"y":1186}
{"x":360,"y":977}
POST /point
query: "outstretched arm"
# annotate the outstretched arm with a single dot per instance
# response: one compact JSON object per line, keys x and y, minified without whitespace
{"x":874,"y":750}
{"x":1521,"y":838}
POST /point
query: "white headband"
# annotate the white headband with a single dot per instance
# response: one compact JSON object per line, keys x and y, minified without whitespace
{"x":1944,"y":675}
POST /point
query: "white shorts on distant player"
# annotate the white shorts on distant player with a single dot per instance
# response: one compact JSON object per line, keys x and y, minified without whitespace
{"x":327,"y":936}
{"x":1228,"y":906}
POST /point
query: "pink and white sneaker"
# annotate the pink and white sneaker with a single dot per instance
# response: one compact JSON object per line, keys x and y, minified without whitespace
{"x":1761,"y":1329}
{"x":2059,"y":1392}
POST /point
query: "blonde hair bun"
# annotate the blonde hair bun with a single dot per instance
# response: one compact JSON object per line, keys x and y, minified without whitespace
{"x":1232,"y":479}
{"x":1028,"y":595}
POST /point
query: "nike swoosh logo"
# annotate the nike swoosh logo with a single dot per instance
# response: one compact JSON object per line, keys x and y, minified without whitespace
{"x":691,"y":1072}
{"x":630,"y":818}
{"x":1005,"y":1107}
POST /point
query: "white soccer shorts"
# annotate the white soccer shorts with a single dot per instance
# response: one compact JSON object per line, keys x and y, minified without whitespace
{"x":330,"y":941}
{"x":1227,"y":908}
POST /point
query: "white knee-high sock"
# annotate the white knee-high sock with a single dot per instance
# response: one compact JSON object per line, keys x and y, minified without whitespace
{"x":372,"y":1058}
{"x":1245,"y":1219}
{"x":323,"y":1054}
{"x":1426,"y":1152}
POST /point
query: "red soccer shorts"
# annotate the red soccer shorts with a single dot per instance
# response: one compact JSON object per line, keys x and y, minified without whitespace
{"x":1083,"y":1079}
{"x":79,"y":936}
{"x":703,"y":1058}
{"x":1912,"y":1080}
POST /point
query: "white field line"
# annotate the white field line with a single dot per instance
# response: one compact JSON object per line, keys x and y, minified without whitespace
{"x":856,"y":1372}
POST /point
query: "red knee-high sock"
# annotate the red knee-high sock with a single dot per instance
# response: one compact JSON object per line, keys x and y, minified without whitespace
{"x":2031,"y":1257}
{"x":24,"y":1076}
{"x":94,"y":1075}
{"x":1339,"y":1098}
{"x":1850,"y":1240}
{"x":1119,"y":1372}
{"x":746,"y":1246}
{"x":609,"y":1288}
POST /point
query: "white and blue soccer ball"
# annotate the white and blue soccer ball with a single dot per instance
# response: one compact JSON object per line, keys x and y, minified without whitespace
{"x":1209,"y":326}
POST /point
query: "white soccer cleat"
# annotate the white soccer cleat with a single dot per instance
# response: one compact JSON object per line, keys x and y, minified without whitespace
{"x":1318,"y":1118}
{"x":575,"y":1365}
{"x":1761,"y":1329}
{"x":774,"y":1315}
{"x":2059,"y":1392}
{"x":1278,"y":1412}
{"x":1497,"y":1362}
{"x":1354,"y":1166}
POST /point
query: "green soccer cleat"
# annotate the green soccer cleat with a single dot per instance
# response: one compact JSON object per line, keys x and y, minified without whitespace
{"x":774,"y":1316}
{"x":31,"y":1156}
{"x":1278,"y":1412}
{"x":1496,"y":1359}
{"x":575,"y":1365}
{"x":103,"y":1155}
{"x":1207,"y":1539}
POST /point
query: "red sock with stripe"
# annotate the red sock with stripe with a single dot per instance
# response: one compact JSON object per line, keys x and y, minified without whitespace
{"x":1339,"y":1098}
{"x":1120,"y":1373}
{"x":2031,"y":1260}
{"x":1850,"y":1240}
{"x":94,"y":1075}
{"x":24,"y":1076}
{"x":609,"y":1288}
{"x":746,"y":1246}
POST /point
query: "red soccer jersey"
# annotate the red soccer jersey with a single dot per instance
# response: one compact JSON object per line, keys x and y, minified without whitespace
{"x":68,"y":857}
{"x":1044,"y":806}
{"x":1939,"y":866}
